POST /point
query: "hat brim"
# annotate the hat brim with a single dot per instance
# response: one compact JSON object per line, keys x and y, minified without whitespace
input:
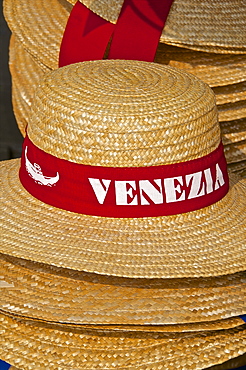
{"x":47,"y":292}
{"x":230,"y":93}
{"x":192,"y":26}
{"x":40,"y":345}
{"x":235,"y":151}
{"x":233,"y":131}
{"x":232,"y":111}
{"x":206,"y":242}
{"x":25,"y":74}
{"x":215,"y":69}
{"x":25,"y":21}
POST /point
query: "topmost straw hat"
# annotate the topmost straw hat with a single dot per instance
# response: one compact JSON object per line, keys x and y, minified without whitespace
{"x":213,"y":26}
{"x":123,"y":174}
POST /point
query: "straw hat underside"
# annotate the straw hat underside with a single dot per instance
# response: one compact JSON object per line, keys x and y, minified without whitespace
{"x":206,"y":242}
{"x":50,"y":294}
{"x":41,"y":346}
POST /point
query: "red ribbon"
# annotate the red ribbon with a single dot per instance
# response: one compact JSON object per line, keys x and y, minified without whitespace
{"x":134,"y":37}
{"x":86,"y":36}
{"x":138,"y":29}
{"x":124,"y":191}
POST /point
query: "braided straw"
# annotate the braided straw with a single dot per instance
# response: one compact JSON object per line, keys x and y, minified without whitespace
{"x":214,"y":69}
{"x":37,"y":345}
{"x":213,"y":26}
{"x":38,"y":28}
{"x":47,"y":292}
{"x":233,"y":131}
{"x":231,"y":364}
{"x":146,"y":110}
{"x":234,"y":139}
{"x":239,"y":168}
{"x":124,"y":113}
{"x":232,"y":111}
{"x":25,"y":74}
{"x":235,"y":152}
{"x":230,"y":93}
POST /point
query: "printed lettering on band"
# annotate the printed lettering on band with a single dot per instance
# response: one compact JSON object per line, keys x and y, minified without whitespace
{"x":124,"y":191}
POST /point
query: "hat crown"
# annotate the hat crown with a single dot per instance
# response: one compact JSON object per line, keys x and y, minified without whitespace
{"x":124,"y":113}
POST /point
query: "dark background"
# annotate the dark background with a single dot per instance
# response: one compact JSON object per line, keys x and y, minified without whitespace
{"x":10,"y":136}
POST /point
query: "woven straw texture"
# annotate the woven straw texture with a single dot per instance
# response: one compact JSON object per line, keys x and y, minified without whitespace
{"x":214,"y":69}
{"x":24,"y":68}
{"x":228,"y":365}
{"x":234,"y":139}
{"x":41,"y":291}
{"x":24,"y":81}
{"x":213,"y":26}
{"x":38,"y":346}
{"x":40,"y":31}
{"x":235,"y":152}
{"x":232,"y":111}
{"x":38,"y":28}
{"x":233,"y":131}
{"x":141,"y":107}
{"x":133,"y":114}
{"x":230,"y":93}
{"x":25,"y":74}
{"x":239,"y":168}
{"x":231,"y":364}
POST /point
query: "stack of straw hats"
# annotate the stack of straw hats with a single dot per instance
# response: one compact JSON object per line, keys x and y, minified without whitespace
{"x":206,"y":39}
{"x":123,"y":243}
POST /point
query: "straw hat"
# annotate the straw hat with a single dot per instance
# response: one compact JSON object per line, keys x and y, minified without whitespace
{"x":232,"y":111}
{"x":211,"y":68}
{"x":38,"y":345}
{"x":235,"y":152}
{"x":39,"y":28}
{"x":214,"y":69}
{"x":40,"y":31}
{"x":230,"y":93}
{"x":228,"y":365}
{"x":212,"y":26}
{"x":46,"y":292}
{"x":234,"y":363}
{"x":230,"y":98}
{"x":233,"y":131}
{"x":123,"y":114}
{"x":25,"y":74}
{"x":239,"y":168}
{"x":24,"y":81}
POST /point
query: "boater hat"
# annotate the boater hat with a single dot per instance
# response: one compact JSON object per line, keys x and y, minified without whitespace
{"x":40,"y":291}
{"x":123,"y":174}
{"x":38,"y":345}
{"x":213,"y":69}
{"x":25,"y":74}
{"x":40,"y":30}
{"x":213,"y":26}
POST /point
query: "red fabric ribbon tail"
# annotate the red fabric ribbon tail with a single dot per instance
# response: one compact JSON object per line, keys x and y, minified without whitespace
{"x":138,"y":29}
{"x":86,"y":36}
